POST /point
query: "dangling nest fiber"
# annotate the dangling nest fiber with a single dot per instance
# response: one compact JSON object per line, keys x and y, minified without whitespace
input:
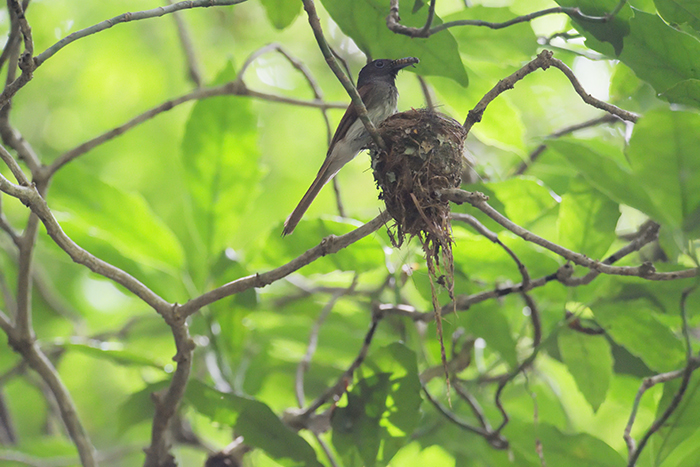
{"x":424,"y":154}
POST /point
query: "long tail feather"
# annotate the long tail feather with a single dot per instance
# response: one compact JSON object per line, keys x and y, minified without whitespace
{"x":321,"y":179}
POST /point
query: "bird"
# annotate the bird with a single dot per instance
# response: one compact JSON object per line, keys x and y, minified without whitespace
{"x":377,"y":88}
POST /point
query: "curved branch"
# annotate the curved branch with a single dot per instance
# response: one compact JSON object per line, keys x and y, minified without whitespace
{"x":645,"y":271}
{"x":31,"y":198}
{"x":544,"y":60}
{"x":393,"y":19}
{"x":125,"y":18}
{"x":328,"y":246}
{"x":232,"y":88}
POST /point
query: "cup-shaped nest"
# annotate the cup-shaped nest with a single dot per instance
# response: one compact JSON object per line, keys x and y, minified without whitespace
{"x":424,"y":154}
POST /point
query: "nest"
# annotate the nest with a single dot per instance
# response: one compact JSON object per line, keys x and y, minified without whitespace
{"x":424,"y":154}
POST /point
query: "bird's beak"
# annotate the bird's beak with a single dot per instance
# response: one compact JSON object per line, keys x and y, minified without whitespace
{"x":403,"y":63}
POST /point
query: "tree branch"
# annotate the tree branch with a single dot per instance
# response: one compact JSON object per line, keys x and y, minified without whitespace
{"x":193,"y":68}
{"x":544,"y":60}
{"x":232,"y":88}
{"x":328,"y":246}
{"x":393,"y":19}
{"x":125,"y":18}
{"x":645,"y":271}
{"x":315,"y":24}
{"x":686,"y":373}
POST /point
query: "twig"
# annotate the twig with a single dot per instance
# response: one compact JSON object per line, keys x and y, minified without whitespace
{"x":686,"y":373}
{"x":534,"y":155}
{"x":41,"y":364}
{"x":183,"y":33}
{"x":495,"y":439}
{"x":393,"y":20}
{"x":318,"y":96}
{"x":26,"y":60}
{"x":14,"y":167}
{"x":303,"y":366}
{"x":127,"y":17}
{"x":426,"y":92}
{"x":544,"y":60}
{"x":231,"y":88}
{"x":328,"y":246}
{"x":645,"y":271}
{"x":346,"y":378}
{"x":315,"y":24}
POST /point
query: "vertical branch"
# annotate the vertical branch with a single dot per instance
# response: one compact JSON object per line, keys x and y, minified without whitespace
{"x":158,"y":453}
{"x":183,"y":33}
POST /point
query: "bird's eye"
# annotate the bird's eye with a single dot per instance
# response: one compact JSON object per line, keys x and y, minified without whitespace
{"x":379,"y":64}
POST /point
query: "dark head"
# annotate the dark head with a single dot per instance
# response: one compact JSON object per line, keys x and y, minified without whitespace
{"x":383,"y":70}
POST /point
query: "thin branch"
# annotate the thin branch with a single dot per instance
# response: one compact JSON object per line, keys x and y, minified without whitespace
{"x":193,"y":67}
{"x":426,"y":93}
{"x":393,"y":20}
{"x":345,"y":379}
{"x":26,"y":60}
{"x":127,"y":17}
{"x":318,"y":96}
{"x":303,"y":366}
{"x":692,"y":365}
{"x":534,"y":155}
{"x":495,"y":439}
{"x":14,"y":167}
{"x":544,"y":60}
{"x":315,"y":24}
{"x":233,"y":88}
{"x":328,"y":246}
{"x":38,"y":361}
{"x":645,"y":271}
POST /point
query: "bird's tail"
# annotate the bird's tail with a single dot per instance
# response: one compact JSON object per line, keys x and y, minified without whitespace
{"x":324,"y":175}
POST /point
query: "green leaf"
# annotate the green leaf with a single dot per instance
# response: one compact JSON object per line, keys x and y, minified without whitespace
{"x":511,"y":45}
{"x":604,"y":167}
{"x":100,"y":216}
{"x":365,"y":22}
{"x":527,"y":201}
{"x":680,"y":11}
{"x":684,"y":92}
{"x":220,"y":155}
{"x":281,"y":13}
{"x":660,"y":54}
{"x":577,"y":450}
{"x":633,"y":325}
{"x":382,"y":409}
{"x":590,"y":362}
{"x":598,"y":33}
{"x":663,"y":153}
{"x":587,"y":220}
{"x":489,"y":322}
{"x":255,"y":421}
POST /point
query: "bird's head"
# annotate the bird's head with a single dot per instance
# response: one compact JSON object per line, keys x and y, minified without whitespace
{"x":383,"y":70}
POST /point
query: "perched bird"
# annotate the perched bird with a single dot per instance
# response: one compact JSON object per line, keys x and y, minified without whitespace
{"x":377,"y":88}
